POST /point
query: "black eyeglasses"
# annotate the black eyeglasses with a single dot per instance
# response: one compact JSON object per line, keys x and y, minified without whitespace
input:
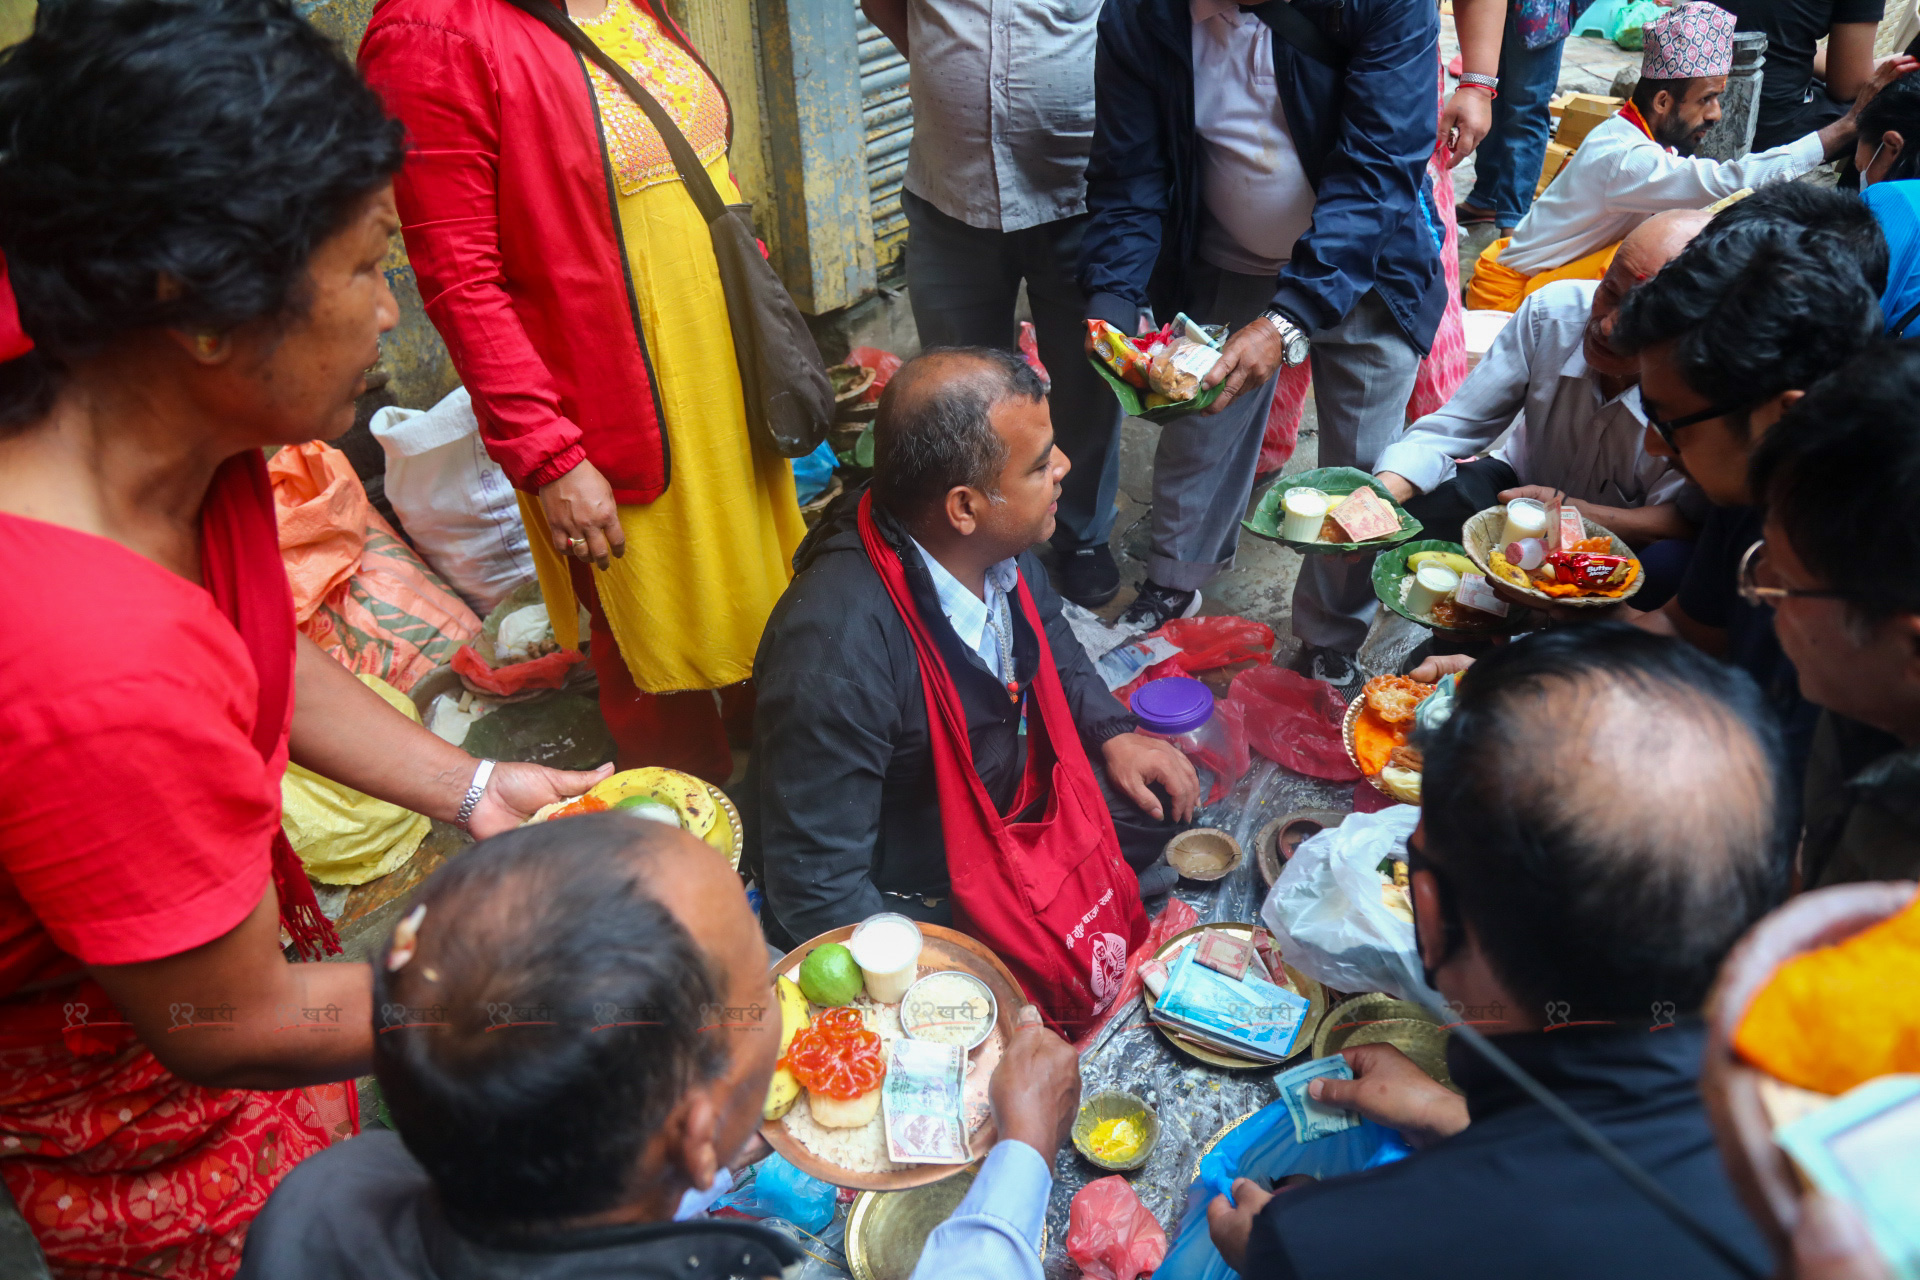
{"x":1667,"y":426}
{"x":1754,"y":594}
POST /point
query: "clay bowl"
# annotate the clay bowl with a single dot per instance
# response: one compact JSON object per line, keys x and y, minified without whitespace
{"x":1275,"y":844}
{"x":1205,"y":854}
{"x":1761,"y":1174}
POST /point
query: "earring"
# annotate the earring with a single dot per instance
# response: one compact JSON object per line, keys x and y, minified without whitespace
{"x":206,"y":344}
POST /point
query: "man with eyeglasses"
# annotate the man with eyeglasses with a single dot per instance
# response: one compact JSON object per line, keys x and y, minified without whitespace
{"x":1839,"y":566}
{"x":1728,"y":336}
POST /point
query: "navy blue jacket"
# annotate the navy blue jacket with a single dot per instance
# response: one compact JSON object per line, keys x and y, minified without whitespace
{"x":1363,"y":137}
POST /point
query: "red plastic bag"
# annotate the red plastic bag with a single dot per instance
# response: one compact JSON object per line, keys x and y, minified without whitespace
{"x":1294,"y":721}
{"x":549,"y":671}
{"x":1205,"y":643}
{"x":1110,"y":1234}
{"x":884,"y":365}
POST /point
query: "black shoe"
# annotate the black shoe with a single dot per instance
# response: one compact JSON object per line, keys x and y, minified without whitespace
{"x":1089,"y":577}
{"x":1338,"y":669}
{"x":1156,"y":605}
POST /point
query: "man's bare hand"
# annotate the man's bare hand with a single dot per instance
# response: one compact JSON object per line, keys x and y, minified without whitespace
{"x":1389,"y":1089}
{"x":1135,"y":762}
{"x":1036,"y":1088}
{"x":1885,"y":72}
{"x":1466,"y":119}
{"x":1398,"y":485}
{"x":1230,"y":1222}
{"x":517,"y":791}
{"x":1250,"y":358}
{"x":1440,"y":664}
{"x":582,"y":517}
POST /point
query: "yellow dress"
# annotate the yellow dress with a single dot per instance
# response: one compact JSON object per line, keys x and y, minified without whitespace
{"x":706,"y":561}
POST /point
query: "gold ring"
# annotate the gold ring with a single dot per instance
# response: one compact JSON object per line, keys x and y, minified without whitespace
{"x":576,"y":545}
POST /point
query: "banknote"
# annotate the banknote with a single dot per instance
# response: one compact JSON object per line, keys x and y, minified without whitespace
{"x":921,"y":1100}
{"x":1311,"y":1120}
{"x":1224,"y":953}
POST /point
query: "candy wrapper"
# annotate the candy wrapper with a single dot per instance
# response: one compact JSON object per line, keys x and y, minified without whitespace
{"x":1187,"y":355}
{"x":1118,"y":353}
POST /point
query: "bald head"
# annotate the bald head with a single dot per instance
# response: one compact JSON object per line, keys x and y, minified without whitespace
{"x":1605,"y":805}
{"x":1659,"y":240}
{"x":935,"y":431}
{"x":550,"y":1006}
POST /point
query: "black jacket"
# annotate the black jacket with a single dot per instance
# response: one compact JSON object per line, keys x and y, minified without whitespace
{"x":1515,"y":1193}
{"x":366,"y":1210}
{"x":1364,"y":136}
{"x":840,"y":801}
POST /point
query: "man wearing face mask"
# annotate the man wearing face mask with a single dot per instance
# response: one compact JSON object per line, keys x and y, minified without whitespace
{"x":1888,"y":158}
{"x":1533,"y":911}
{"x":1579,"y":422}
{"x":1641,"y":161}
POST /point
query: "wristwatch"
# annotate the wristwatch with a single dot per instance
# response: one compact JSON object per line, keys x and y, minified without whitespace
{"x":1293,"y":339}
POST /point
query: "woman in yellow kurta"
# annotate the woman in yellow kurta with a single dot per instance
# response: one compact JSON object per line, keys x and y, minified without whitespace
{"x":681,"y":584}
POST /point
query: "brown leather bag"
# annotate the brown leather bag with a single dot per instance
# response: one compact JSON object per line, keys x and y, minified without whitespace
{"x":788,"y":394}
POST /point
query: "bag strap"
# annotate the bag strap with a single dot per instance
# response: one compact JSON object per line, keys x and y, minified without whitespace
{"x":1298,"y":30}
{"x":1899,"y":329}
{"x":554,"y":17}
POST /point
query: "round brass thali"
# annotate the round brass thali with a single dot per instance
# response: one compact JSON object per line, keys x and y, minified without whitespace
{"x":1316,"y":996}
{"x":887,"y":1230}
{"x":1376,"y":1018}
{"x":942,"y":949}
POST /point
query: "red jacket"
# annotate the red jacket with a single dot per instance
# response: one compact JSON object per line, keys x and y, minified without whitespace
{"x":510,"y":220}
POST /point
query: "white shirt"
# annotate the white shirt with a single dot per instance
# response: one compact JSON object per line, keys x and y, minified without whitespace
{"x":1256,"y":197}
{"x":1002,"y":108}
{"x":980,"y":624}
{"x":1570,"y":434}
{"x":1620,"y":177}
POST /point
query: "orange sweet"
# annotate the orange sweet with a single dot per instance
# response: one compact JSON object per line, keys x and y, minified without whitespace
{"x":1842,"y":1015}
{"x":1374,"y":740}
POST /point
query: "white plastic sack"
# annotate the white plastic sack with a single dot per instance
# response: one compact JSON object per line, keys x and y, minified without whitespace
{"x":1325,"y":912}
{"x":455,"y":501}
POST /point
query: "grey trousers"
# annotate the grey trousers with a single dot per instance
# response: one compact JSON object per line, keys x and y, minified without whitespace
{"x":1363,"y":374}
{"x":964,"y":281}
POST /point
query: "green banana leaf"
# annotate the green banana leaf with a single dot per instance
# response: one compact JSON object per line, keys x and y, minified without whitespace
{"x":1336,"y":482}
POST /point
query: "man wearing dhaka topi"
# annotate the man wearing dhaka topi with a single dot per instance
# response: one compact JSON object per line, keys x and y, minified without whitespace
{"x":1641,"y":162}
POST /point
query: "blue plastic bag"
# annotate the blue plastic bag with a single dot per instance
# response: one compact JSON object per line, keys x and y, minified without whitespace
{"x":813,"y":473}
{"x":779,"y":1190}
{"x":1263,"y":1148}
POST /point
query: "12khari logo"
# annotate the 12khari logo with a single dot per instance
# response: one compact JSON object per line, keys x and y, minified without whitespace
{"x":1109,"y":968}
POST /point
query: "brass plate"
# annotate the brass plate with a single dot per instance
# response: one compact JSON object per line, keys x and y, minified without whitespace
{"x":1413,"y":1029}
{"x":731,"y":816}
{"x":943,"y":949}
{"x":1316,"y":1006}
{"x":887,"y":1230}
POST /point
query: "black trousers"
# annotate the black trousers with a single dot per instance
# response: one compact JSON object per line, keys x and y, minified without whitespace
{"x":1474,"y":488}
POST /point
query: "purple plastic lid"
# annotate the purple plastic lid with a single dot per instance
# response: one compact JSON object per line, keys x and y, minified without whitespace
{"x":1174,"y":704}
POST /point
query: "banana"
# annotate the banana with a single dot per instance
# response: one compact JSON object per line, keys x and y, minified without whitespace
{"x":784,"y":1091}
{"x":1451,"y":559}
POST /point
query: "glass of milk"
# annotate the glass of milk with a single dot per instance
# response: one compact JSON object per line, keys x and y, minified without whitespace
{"x":1525,"y":519}
{"x":887,"y":949}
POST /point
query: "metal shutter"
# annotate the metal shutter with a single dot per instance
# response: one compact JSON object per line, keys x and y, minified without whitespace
{"x":888,"y":118}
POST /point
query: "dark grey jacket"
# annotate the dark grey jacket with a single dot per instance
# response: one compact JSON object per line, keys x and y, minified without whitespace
{"x":840,"y":803}
{"x":365,"y":1210}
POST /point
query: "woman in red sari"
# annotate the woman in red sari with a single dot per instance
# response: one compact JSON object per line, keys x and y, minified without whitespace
{"x":194,"y":211}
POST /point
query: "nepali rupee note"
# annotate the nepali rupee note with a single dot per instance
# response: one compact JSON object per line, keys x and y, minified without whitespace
{"x":921,"y":1099}
{"x":1311,"y":1119}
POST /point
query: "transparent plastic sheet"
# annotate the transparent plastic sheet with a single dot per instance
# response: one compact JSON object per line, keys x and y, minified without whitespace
{"x":1264,"y":1149}
{"x":1112,"y":1236}
{"x":1326,"y":915}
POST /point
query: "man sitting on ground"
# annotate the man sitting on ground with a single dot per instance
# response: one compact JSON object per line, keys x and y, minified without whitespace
{"x":1600,"y":826}
{"x":1840,"y":568}
{"x":845,"y":812}
{"x":576,"y":1029}
{"x":1580,"y":426}
{"x":1641,"y":161}
{"x":1728,"y":335}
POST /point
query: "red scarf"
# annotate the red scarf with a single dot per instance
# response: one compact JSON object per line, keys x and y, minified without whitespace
{"x":241,"y":567}
{"x":1053,"y":898}
{"x":1631,"y":114}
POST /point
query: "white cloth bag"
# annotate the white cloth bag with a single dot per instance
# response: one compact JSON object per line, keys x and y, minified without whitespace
{"x":456,"y":502}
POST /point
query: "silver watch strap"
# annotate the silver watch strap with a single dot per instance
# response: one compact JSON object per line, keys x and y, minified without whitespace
{"x":1474,"y":77}
{"x":475,"y":789}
